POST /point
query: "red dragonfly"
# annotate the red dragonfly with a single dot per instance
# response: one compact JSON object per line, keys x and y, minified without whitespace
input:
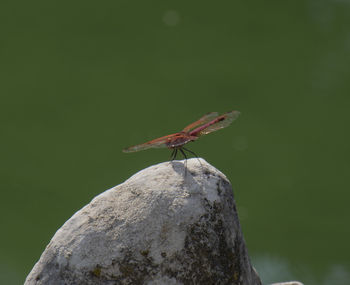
{"x":208,"y":123}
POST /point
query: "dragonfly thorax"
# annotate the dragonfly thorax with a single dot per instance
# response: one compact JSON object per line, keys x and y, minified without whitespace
{"x":180,"y":139}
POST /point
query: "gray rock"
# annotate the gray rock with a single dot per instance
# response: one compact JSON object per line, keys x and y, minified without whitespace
{"x":288,"y":283}
{"x":164,"y":225}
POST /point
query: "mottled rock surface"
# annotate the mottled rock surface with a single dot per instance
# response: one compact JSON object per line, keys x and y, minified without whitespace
{"x":161,"y":226}
{"x":288,"y":283}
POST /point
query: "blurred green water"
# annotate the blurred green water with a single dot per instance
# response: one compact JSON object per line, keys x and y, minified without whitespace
{"x":82,"y":80}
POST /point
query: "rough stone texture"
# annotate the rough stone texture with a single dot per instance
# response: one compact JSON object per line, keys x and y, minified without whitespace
{"x":288,"y":283}
{"x":164,"y":225}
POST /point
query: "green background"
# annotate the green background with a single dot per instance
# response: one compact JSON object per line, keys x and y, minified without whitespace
{"x":81,"y":80}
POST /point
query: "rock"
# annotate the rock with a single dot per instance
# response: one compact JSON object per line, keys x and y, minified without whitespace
{"x":164,"y":225}
{"x":288,"y":283}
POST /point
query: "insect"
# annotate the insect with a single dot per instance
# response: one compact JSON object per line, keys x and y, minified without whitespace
{"x":210,"y":122}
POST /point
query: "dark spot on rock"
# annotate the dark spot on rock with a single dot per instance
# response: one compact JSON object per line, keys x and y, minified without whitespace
{"x":163,"y":254}
{"x":224,"y":182}
{"x":97,"y":271}
{"x":144,"y":252}
{"x":204,"y":217}
{"x":207,"y":173}
{"x":218,"y":189}
{"x":127,"y":269}
{"x":38,"y":278}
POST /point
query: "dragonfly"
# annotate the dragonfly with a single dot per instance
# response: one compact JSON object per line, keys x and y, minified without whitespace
{"x":209,"y":123}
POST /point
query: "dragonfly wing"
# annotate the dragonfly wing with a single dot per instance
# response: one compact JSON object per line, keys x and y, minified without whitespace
{"x":156,"y":143}
{"x":205,"y":119}
{"x":221,"y":122}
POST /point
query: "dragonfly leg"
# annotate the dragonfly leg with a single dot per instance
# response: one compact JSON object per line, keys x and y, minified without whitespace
{"x":190,"y":151}
{"x":173,"y":154}
{"x":184,"y":154}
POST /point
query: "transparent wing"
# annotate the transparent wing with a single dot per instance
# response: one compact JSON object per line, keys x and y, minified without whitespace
{"x":205,"y":119}
{"x":218,"y":123}
{"x":156,"y":143}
